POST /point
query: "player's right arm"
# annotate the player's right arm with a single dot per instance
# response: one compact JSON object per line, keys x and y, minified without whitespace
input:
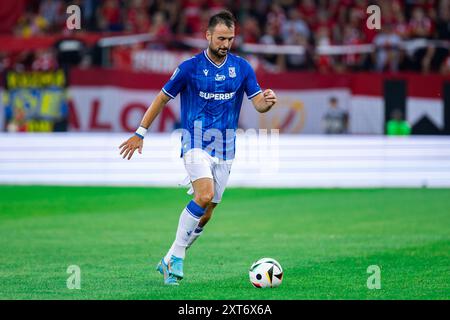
{"x":135,"y":142}
{"x":175,"y":85}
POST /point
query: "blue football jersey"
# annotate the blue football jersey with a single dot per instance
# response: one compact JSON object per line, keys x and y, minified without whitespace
{"x":211,"y":98}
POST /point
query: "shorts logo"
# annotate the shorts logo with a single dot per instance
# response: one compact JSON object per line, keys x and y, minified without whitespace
{"x":231,"y":72}
{"x":220,"y":77}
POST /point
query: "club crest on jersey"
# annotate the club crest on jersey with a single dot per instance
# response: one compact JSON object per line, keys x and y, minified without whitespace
{"x":205,"y":71}
{"x":231,"y":72}
{"x":220,"y":77}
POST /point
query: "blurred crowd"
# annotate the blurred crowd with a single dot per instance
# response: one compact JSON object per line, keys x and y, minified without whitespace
{"x":309,"y":23}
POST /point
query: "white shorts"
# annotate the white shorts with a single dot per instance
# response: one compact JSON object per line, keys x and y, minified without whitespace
{"x":200,"y":164}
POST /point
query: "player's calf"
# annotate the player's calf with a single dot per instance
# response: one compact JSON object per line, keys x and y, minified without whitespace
{"x":203,"y":221}
{"x":197,"y":233}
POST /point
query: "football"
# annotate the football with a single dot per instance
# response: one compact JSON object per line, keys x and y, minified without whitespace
{"x":266,"y":273}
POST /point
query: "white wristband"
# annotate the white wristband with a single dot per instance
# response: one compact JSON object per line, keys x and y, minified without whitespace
{"x":140,"y":132}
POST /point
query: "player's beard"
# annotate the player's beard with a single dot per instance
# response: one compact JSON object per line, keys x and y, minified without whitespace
{"x":218,"y":53}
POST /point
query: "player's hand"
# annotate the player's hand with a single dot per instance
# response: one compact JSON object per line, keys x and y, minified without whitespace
{"x":269,"y":97}
{"x":130,"y":146}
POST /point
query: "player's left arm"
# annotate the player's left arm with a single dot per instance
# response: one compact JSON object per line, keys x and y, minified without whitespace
{"x":264,"y":101}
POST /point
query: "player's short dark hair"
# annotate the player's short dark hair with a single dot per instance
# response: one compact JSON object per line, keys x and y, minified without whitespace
{"x":225,"y":17}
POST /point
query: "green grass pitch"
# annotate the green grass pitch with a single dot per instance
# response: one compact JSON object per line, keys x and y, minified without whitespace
{"x":324,"y":239}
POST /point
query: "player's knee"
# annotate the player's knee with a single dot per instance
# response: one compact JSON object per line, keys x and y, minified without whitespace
{"x":205,"y":198}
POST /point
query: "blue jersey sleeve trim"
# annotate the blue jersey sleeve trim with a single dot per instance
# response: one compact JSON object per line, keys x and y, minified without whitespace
{"x":251,"y":96}
{"x":165,"y":91}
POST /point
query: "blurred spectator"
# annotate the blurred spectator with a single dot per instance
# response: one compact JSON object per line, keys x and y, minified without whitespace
{"x":276,"y":16}
{"x":295,"y":31}
{"x":88,"y":11}
{"x":397,"y":125}
{"x":190,"y":17}
{"x":215,"y":6}
{"x":287,"y":4}
{"x":427,"y":6}
{"x":110,"y":16}
{"x":22,"y":61}
{"x":18,"y":122}
{"x":31,"y":24}
{"x":159,"y":27}
{"x":298,"y":61}
{"x":5,"y":61}
{"x":294,"y":27}
{"x":272,"y":62}
{"x":445,"y":67}
{"x":322,"y":37}
{"x":309,"y":23}
{"x":401,"y":26}
{"x":121,"y":57}
{"x":443,"y":21}
{"x":192,"y":26}
{"x":172,"y":10}
{"x":443,"y":34}
{"x":250,"y":31}
{"x":323,"y":21}
{"x":335,"y":120}
{"x":420,"y":27}
{"x":54,"y":14}
{"x":44,"y":60}
{"x":308,"y":11}
{"x":353,"y":36}
{"x":387,"y":54}
{"x":137,"y":18}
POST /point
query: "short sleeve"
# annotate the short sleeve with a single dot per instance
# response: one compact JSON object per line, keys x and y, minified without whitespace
{"x":251,"y":85}
{"x":177,"y":81}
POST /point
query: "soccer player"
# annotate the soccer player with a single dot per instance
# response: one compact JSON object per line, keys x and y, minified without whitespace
{"x":212,"y":85}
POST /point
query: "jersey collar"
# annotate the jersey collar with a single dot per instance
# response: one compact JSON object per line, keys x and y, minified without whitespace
{"x":213,"y":63}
